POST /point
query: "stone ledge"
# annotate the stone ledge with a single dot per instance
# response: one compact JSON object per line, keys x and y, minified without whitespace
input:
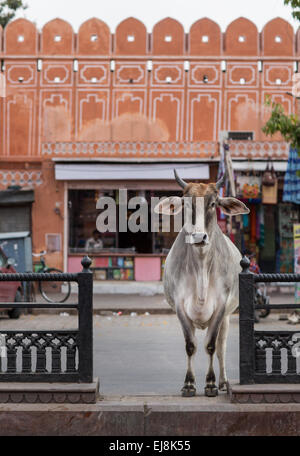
{"x":151,"y":416}
{"x":49,"y":393}
{"x":265,"y":394}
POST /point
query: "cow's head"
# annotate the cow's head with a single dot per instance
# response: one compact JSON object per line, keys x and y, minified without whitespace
{"x":200,"y":202}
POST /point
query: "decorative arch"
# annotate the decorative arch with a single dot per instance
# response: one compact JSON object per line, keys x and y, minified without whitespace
{"x":168,"y":38}
{"x":94,"y":38}
{"x":57,"y":38}
{"x":21,"y":38}
{"x":278,"y":38}
{"x":205,"y":38}
{"x":241,"y":38}
{"x":131,"y":38}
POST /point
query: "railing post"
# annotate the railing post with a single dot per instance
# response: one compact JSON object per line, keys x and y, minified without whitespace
{"x":246,"y":320}
{"x":85,"y":308}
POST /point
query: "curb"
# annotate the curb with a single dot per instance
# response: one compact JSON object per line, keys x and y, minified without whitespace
{"x":107,"y":311}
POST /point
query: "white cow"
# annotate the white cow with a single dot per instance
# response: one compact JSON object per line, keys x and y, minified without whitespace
{"x":201,"y":275}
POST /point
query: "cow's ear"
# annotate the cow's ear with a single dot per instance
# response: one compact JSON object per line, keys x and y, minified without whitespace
{"x":169,"y":206}
{"x":232,"y":206}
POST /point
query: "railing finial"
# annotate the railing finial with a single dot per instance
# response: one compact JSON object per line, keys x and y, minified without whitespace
{"x":86,"y":263}
{"x":245,"y":263}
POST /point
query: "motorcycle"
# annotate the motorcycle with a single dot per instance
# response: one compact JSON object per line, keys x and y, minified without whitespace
{"x":261,"y":299}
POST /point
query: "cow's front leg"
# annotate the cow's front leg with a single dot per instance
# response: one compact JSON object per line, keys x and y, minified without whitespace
{"x":189,"y":388}
{"x":221,"y":353}
{"x":211,"y":389}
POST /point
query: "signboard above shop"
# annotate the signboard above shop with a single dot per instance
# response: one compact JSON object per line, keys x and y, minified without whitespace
{"x":149,"y":171}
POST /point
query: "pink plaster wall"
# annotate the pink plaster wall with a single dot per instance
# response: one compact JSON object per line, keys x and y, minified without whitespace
{"x":147,"y":269}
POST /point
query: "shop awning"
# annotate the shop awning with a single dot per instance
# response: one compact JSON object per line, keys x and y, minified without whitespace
{"x":151,"y":171}
{"x":246,"y":165}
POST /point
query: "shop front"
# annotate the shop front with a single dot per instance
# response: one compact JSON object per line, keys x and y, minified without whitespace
{"x":119,"y":255}
{"x":267,"y":230}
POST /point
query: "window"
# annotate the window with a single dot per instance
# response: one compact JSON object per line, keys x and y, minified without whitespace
{"x":240,"y":135}
{"x":57,"y":38}
{"x":21,"y":38}
{"x":130,"y":38}
{"x":205,"y":39}
{"x":94,"y":38}
{"x":242,"y":81}
{"x":168,"y":38}
{"x":83,"y":215}
{"x":278,"y":39}
{"x":241,"y":39}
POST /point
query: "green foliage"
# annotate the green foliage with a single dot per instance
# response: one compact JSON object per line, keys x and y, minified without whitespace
{"x":295,"y":5}
{"x":8,"y":10}
{"x":287,"y":125}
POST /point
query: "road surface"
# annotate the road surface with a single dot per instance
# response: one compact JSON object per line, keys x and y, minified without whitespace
{"x":143,"y":354}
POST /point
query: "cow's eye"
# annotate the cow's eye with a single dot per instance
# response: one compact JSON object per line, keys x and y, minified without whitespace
{"x":212,"y":205}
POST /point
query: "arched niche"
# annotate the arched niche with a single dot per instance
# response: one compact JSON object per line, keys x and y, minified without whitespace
{"x":131,"y":38}
{"x":205,"y":38}
{"x":57,"y":38}
{"x":278,"y":38}
{"x":168,"y":38}
{"x":21,"y":38}
{"x":241,"y":38}
{"x":94,"y":38}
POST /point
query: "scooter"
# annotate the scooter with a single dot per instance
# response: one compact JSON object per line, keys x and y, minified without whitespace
{"x":262,"y":299}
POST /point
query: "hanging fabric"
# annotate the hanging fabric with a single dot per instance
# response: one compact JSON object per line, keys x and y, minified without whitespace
{"x":253,"y":224}
{"x":269,"y":250}
{"x":221,"y":172}
{"x":261,"y":227}
{"x":291,"y":189}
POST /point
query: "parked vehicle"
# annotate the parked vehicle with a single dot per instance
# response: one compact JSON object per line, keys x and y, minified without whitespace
{"x":262,"y":299}
{"x":9,"y":291}
{"x":54,"y":292}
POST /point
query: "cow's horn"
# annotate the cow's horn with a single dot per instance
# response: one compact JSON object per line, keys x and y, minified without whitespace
{"x":221,"y":182}
{"x":179,"y":180}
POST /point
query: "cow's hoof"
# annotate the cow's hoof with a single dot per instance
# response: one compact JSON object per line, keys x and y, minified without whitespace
{"x":211,"y":391}
{"x":188,"y":391}
{"x":223,"y":386}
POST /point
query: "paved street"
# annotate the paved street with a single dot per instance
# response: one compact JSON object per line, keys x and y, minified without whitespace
{"x":142,"y":354}
{"x":152,"y":303}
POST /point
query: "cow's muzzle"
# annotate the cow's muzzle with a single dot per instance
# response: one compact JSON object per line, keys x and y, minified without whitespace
{"x":197,"y":238}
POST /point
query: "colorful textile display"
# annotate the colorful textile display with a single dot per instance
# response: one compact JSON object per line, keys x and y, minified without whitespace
{"x":285,"y":226}
{"x":291,"y":190}
{"x":268,"y":251}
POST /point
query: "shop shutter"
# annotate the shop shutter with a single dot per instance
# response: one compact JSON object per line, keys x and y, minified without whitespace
{"x":15,"y":219}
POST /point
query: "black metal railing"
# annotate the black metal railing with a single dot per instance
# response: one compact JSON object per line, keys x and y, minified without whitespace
{"x":45,"y":355}
{"x":265,"y":356}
